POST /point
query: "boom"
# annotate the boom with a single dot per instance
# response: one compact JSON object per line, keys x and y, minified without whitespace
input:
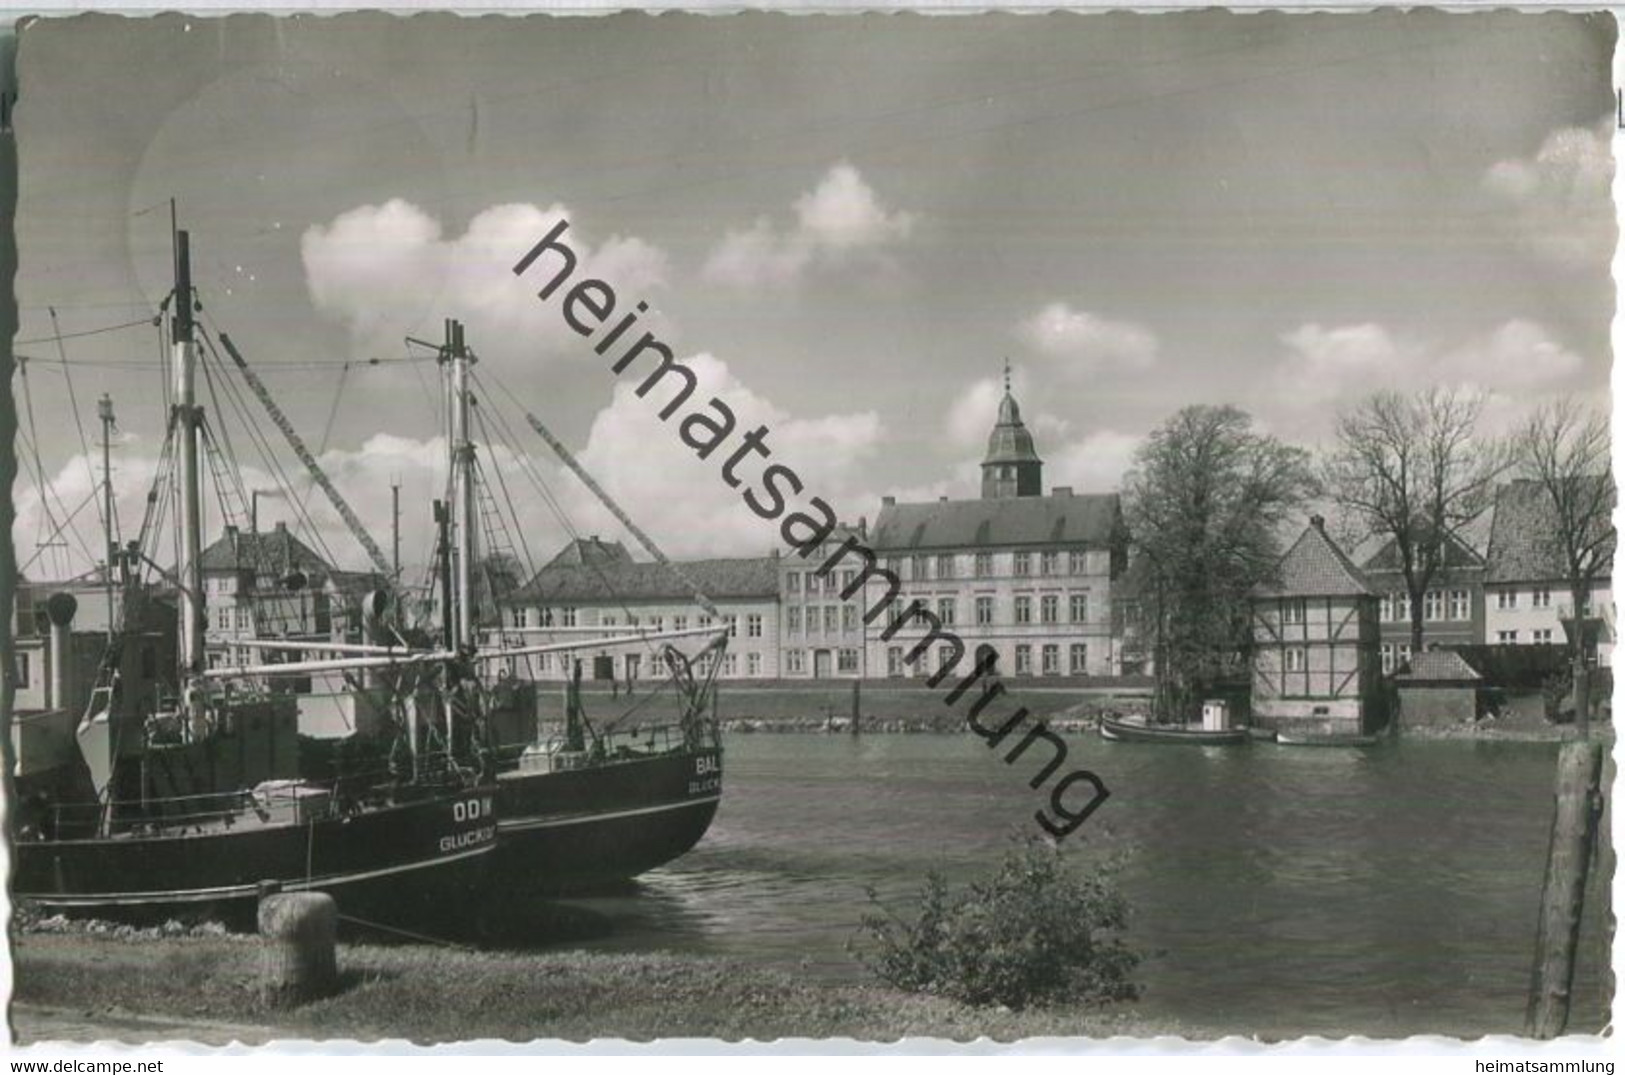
{"x":376,"y":554}
{"x":615,"y":509}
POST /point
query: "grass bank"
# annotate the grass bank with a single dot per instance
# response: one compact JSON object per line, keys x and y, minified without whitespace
{"x":431,"y":995}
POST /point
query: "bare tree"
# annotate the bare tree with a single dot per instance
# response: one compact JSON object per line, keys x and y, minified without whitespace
{"x":1564,"y":449}
{"x":1204,"y":502}
{"x":1413,"y":469}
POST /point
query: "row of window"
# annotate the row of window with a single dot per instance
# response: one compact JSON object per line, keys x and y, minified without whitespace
{"x":945,"y":566}
{"x":833,"y":619}
{"x":633,"y":666}
{"x":1437,"y":605}
{"x":1048,"y":608}
{"x":1049,"y":660}
{"x":1537,"y":636}
{"x":1506,"y":600}
{"x":568,"y":617}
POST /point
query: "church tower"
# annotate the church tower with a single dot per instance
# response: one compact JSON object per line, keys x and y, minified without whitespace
{"x":1012,"y":467}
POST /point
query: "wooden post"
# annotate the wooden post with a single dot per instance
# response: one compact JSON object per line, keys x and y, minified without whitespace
{"x":857,"y":688}
{"x":1579,"y":804}
{"x":297,"y":947}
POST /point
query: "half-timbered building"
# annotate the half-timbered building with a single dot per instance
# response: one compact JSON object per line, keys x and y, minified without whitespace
{"x":1316,"y":662}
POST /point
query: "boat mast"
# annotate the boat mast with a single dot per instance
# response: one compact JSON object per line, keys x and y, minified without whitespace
{"x":104,"y":411}
{"x":189,"y":418}
{"x":462,"y":478}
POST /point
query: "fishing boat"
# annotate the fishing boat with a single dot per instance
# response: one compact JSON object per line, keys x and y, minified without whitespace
{"x":1138,"y":731}
{"x":195,"y":800}
{"x":597,"y":802}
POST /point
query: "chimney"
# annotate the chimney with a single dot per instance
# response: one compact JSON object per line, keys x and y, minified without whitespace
{"x":888,"y":502}
{"x":1062,"y":490}
{"x":942,"y":500}
{"x":863,"y":527}
{"x":60,"y":609}
{"x":1318,"y":522}
{"x":281,"y":527}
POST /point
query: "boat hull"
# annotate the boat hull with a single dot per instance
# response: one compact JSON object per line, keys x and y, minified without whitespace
{"x":388,"y":864}
{"x":1125,"y":732}
{"x":577,"y":829}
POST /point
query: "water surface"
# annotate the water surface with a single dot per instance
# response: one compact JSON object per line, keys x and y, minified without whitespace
{"x":1278,"y":890}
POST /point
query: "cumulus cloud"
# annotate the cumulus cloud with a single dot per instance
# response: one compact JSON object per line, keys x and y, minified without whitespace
{"x":682,"y":500}
{"x":1326,"y":364}
{"x":388,"y":271}
{"x":1083,"y":342}
{"x":1336,"y":365}
{"x":1094,"y":463}
{"x":973,"y":412}
{"x":838,"y":222}
{"x":1559,"y":200}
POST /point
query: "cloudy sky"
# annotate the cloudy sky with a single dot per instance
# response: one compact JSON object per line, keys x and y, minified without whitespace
{"x":847,"y":224}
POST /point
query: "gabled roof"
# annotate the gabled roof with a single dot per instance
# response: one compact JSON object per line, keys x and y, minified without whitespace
{"x":1438,"y":666}
{"x":1315,"y":567}
{"x":629,"y":580}
{"x":1091,"y":519}
{"x":1457,"y":556}
{"x":1524,"y":543}
{"x":275,"y":551}
{"x":591,"y":550}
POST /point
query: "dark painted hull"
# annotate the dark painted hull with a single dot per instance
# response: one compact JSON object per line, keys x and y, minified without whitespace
{"x":583,"y":828}
{"x":1125,"y":732}
{"x":390,"y":863}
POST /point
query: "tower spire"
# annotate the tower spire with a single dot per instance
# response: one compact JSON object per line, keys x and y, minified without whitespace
{"x":1012,"y":467}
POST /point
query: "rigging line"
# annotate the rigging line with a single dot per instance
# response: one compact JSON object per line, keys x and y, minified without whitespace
{"x":306,"y":522}
{"x":502,"y":483}
{"x":78,"y":420}
{"x":160,"y":477}
{"x":559,"y":512}
{"x":58,"y":337}
{"x":332,"y":413}
{"x":47,"y":489}
{"x":47,"y":543}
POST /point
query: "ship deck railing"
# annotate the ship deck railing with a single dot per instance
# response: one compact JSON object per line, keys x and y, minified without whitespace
{"x":273,"y":802}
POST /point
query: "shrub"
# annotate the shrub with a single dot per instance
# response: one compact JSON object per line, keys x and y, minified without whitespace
{"x":1556,"y":691}
{"x":1032,"y":933}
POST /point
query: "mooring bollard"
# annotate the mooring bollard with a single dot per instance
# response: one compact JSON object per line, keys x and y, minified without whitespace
{"x":298,"y":931}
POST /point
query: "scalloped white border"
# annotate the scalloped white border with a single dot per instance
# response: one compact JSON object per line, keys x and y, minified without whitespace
{"x":1234,"y":1054}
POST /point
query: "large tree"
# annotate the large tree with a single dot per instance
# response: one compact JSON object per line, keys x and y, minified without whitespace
{"x":1414,"y":469}
{"x":1205,"y":500}
{"x":1565,"y":450}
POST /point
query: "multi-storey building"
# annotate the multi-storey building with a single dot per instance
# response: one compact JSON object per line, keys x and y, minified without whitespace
{"x":1021,"y":578}
{"x":824,"y":635}
{"x":269,"y":584}
{"x":1452,"y":607}
{"x":1526,"y":587}
{"x":597,"y":584}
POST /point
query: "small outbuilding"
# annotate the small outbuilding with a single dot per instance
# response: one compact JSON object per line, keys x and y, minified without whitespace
{"x":1439,"y":687}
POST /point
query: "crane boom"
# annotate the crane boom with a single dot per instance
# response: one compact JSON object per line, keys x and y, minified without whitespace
{"x":615,"y":509}
{"x":376,"y":554}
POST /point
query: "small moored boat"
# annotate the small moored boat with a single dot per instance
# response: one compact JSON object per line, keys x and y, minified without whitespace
{"x":1130,"y":731}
